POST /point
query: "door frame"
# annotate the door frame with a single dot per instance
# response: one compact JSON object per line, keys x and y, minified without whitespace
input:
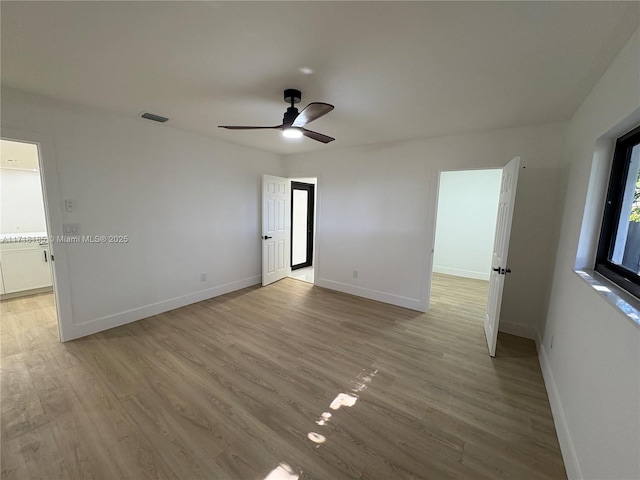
{"x":310,"y":189}
{"x":53,"y":217}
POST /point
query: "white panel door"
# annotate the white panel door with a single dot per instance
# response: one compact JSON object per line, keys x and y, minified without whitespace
{"x":276,"y":230}
{"x":500,"y":250}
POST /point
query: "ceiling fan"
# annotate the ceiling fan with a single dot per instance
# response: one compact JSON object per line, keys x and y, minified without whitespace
{"x":293,"y":122}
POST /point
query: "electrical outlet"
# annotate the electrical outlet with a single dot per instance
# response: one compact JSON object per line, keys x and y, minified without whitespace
{"x":69,"y":205}
{"x":355,"y":274}
{"x":71,"y":228}
{"x":203,"y":277}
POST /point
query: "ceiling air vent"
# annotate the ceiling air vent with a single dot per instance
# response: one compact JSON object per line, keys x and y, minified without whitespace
{"x":155,"y":118}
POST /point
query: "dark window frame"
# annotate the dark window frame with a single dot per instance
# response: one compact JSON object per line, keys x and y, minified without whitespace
{"x":310,"y":189}
{"x":624,"y":278}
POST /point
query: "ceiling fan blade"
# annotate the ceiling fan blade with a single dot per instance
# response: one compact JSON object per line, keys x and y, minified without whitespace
{"x":236,"y":127}
{"x":311,"y":112}
{"x":317,"y":136}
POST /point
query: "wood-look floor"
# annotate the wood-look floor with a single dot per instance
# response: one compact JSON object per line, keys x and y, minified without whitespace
{"x":241,"y":387}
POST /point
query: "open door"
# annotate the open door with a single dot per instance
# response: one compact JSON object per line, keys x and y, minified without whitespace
{"x":276,"y":216}
{"x":500,"y":250}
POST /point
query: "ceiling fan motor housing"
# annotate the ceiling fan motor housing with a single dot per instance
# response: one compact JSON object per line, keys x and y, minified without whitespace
{"x":289,"y":116}
{"x":292,"y":96}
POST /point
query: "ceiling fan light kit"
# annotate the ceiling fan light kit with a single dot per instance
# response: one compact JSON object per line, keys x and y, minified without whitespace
{"x":293,"y":121}
{"x":292,"y":133}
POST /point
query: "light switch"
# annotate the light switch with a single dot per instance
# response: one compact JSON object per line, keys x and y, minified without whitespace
{"x":69,"y":205}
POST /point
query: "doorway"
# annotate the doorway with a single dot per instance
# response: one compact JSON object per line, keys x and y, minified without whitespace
{"x":466,"y":216}
{"x":478,"y":205}
{"x":465,"y":222}
{"x":26,"y":276}
{"x":303,"y":193}
{"x":282,"y":245}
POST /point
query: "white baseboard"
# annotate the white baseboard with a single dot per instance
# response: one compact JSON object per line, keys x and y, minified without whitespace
{"x":518,"y":329}
{"x":562,"y":429}
{"x":104,"y":323}
{"x":411,"y":303}
{"x":539,"y":340}
{"x":462,"y":273}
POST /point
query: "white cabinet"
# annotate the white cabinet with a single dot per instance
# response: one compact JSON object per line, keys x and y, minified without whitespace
{"x":25,"y":266}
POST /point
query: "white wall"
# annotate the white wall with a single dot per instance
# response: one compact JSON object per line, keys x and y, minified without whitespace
{"x":466,"y":222}
{"x":592,"y":371}
{"x":188,"y":203}
{"x":376,"y":215}
{"x":22,"y":209}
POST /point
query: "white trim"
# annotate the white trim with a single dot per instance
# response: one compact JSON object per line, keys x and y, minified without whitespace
{"x":411,"y":303}
{"x":316,"y":228}
{"x":539,"y":341}
{"x":458,"y":272}
{"x":99,"y":324}
{"x":562,"y":429}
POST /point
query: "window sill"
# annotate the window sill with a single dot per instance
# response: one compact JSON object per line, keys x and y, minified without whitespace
{"x":621,"y":300}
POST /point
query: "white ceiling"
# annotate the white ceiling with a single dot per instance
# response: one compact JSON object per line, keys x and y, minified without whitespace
{"x":394,"y":70}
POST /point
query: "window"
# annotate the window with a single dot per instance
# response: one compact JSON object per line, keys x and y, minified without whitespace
{"x":618,"y":256}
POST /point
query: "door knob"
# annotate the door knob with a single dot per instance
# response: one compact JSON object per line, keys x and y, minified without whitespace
{"x":266,"y":237}
{"x":502,"y":271}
